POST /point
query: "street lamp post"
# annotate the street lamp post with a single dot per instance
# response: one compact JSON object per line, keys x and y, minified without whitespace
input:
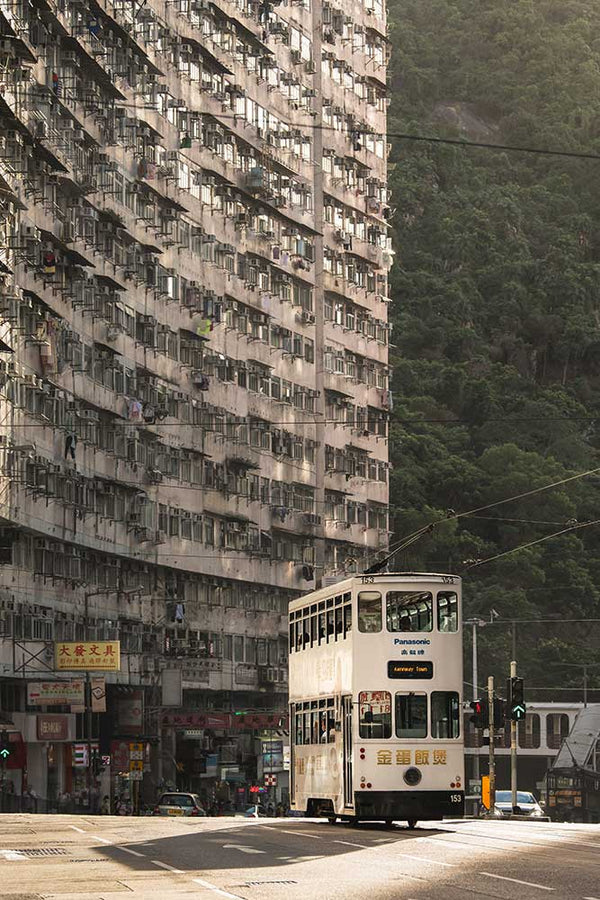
{"x":475,"y":623}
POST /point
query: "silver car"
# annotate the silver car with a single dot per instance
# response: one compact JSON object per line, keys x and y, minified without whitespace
{"x":526,"y":803}
{"x":179,"y":803}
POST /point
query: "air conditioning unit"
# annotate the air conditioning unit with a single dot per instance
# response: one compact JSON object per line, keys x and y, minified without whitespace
{"x":154,"y":476}
{"x":172,"y":156}
{"x":296,"y":56}
{"x":312,"y":519}
{"x":159,"y":537}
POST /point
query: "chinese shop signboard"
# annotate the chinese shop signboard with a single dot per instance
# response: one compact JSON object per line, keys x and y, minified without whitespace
{"x":88,"y":656}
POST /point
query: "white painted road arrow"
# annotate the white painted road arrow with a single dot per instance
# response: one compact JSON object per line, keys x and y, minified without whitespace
{"x":12,"y":855}
{"x":243,"y":849}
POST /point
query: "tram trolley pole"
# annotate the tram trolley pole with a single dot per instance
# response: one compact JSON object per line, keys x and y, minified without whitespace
{"x":492,"y":764}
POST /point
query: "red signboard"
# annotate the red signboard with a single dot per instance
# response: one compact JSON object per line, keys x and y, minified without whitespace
{"x":52,"y":728}
{"x":224,"y":720}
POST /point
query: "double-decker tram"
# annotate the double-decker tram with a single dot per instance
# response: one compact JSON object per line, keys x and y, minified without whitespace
{"x":376,"y":680}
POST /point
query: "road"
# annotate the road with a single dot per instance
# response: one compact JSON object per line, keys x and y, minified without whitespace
{"x":110,"y":858}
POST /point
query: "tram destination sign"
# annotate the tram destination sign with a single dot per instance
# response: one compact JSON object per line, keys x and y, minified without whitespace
{"x":402,"y":669}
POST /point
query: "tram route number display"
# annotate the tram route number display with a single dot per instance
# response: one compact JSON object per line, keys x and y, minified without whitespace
{"x":398,"y":669}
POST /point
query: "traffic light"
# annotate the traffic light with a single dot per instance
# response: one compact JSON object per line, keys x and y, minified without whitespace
{"x":481,"y":713}
{"x":500,"y":712}
{"x":516,"y":700}
{"x":4,"y":746}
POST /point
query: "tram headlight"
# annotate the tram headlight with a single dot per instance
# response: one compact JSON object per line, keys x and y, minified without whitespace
{"x":412,"y":776}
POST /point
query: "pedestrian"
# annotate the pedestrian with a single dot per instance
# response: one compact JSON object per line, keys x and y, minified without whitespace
{"x":105,"y":809}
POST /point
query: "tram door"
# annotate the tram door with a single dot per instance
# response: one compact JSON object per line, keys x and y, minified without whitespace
{"x":347,"y":732}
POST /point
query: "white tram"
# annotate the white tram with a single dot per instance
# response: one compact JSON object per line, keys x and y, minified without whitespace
{"x":376,"y":680}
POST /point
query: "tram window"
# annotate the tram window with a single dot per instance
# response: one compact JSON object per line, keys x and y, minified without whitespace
{"x":347,"y":619}
{"x":307,"y":730}
{"x":529,"y":732}
{"x":292,"y":638}
{"x":369,"y":611}
{"x":305,"y":632}
{"x":411,"y":715}
{"x":329,"y":624}
{"x":322,"y":628}
{"x":375,"y":714}
{"x":445,"y":714}
{"x":339,"y":622}
{"x":313,"y":630}
{"x":299,"y":729}
{"x":409,"y":611}
{"x":299,"y":635}
{"x":447,"y":611}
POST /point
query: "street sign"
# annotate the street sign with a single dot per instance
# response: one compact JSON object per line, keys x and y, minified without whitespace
{"x":270,"y":780}
{"x":136,"y":776}
{"x":106,"y":760}
{"x":136,"y":765}
{"x":485,"y":791}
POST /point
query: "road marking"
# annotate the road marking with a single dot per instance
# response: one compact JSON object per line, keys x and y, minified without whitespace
{"x":128,"y":850}
{"x":216,"y":890}
{"x":12,"y":855}
{"x":435,"y":862}
{"x":350,"y":844}
{"x":163,"y":865}
{"x":75,"y":828}
{"x":315,"y":837}
{"x":96,"y":838}
{"x":242,"y":848}
{"x":541,"y":887}
{"x":590,"y":898}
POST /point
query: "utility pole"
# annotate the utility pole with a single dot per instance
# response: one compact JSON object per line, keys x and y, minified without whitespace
{"x":475,"y":696}
{"x":513,"y":745}
{"x":490,"y":688}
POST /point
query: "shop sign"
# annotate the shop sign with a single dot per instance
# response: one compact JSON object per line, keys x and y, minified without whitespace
{"x":88,"y":656}
{"x":98,"y":688}
{"x":130,"y":711}
{"x":80,"y":756}
{"x":55,"y":693}
{"x":53,"y":728}
{"x":193,"y":734}
{"x":136,"y":752}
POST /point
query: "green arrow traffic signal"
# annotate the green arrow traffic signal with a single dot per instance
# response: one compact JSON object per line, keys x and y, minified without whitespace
{"x":4,"y":753}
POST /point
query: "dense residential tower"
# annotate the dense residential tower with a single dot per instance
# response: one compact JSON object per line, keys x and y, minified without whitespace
{"x":193,"y":361}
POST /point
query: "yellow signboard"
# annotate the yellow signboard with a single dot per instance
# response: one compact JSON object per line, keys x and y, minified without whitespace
{"x":485,"y":791}
{"x":87,"y":656}
{"x":136,"y":765}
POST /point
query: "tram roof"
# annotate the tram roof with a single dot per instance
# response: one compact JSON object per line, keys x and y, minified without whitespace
{"x":347,"y":583}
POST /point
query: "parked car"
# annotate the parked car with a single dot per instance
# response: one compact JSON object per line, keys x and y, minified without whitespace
{"x":526,"y":803}
{"x":177,"y":803}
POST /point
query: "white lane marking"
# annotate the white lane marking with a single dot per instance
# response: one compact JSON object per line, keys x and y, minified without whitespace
{"x":315,"y":837}
{"x":590,"y":898}
{"x":128,"y":850}
{"x":541,"y":887}
{"x":242,"y":848}
{"x":435,"y":862}
{"x":350,"y":844}
{"x":75,"y":828}
{"x":96,"y":838}
{"x":12,"y":855}
{"x":163,"y":865}
{"x":216,"y":890}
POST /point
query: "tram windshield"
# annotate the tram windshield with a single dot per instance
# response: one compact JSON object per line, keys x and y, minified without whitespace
{"x":409,"y":611}
{"x":375,"y":711}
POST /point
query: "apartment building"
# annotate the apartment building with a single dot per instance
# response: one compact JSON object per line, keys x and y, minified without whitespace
{"x":194,"y":390}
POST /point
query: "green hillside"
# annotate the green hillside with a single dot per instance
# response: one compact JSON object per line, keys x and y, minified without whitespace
{"x":496,"y":314}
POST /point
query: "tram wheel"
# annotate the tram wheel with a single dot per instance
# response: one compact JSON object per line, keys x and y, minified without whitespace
{"x":412,"y":823}
{"x":332,"y":820}
{"x":389,"y":823}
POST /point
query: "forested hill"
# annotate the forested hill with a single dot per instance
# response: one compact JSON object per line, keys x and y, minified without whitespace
{"x":496,"y":313}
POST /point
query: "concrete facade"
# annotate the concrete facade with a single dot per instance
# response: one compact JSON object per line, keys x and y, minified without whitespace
{"x":194,"y":394}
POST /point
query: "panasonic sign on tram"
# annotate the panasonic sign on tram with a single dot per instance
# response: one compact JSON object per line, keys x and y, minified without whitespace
{"x":375,"y":699}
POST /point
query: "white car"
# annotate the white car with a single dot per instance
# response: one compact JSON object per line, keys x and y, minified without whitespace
{"x":526,"y":803}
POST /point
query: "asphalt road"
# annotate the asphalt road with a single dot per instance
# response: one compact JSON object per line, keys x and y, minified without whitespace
{"x":109,"y":858}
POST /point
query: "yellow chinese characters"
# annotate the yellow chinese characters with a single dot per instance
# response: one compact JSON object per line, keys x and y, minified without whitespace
{"x":439,"y":758}
{"x":384,"y":757}
{"x":403,"y":757}
{"x":421,"y":757}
